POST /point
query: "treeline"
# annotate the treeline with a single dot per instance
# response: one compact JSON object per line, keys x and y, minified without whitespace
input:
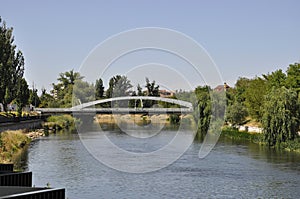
{"x":71,"y":90}
{"x":272,"y":100}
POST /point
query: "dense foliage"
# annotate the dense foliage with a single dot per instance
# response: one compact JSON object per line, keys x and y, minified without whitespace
{"x":281,"y":116}
{"x":272,"y":100}
{"x":13,"y":87}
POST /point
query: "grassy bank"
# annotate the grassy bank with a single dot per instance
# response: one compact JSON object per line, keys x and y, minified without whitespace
{"x":258,"y":138}
{"x":58,"y":122}
{"x":12,"y":145}
{"x":236,"y":134}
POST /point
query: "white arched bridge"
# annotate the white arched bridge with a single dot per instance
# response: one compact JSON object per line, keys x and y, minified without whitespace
{"x":87,"y":108}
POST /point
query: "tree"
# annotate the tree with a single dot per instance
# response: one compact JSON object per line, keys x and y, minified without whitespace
{"x":83,"y":92}
{"x":99,"y":89}
{"x":240,"y":87}
{"x":8,"y":96}
{"x":276,"y":79}
{"x":11,"y":65}
{"x":293,"y":77}
{"x":152,"y":90}
{"x":281,"y":116}
{"x":121,"y":87}
{"x":202,"y":110}
{"x":236,"y":113}
{"x":118,"y":86}
{"x":63,"y":90}
{"x":140,"y":91}
{"x":255,"y":97}
{"x":47,"y":100}
{"x":111,"y":85}
{"x":22,"y":95}
{"x":34,"y":98}
{"x":69,"y":77}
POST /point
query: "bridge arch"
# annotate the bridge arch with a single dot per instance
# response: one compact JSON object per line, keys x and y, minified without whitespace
{"x":169,"y":100}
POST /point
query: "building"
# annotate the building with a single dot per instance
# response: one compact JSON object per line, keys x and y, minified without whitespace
{"x":220,"y":88}
{"x":166,"y":93}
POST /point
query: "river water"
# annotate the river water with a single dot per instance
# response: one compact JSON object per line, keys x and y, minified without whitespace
{"x":233,"y":169}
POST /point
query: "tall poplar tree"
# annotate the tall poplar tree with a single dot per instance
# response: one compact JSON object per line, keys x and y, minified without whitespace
{"x":11,"y":65}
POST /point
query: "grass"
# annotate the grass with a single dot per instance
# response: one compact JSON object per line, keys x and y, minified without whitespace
{"x":57,"y":122}
{"x":289,"y":145}
{"x":243,"y":135}
{"x":11,"y":114}
{"x":12,"y":145}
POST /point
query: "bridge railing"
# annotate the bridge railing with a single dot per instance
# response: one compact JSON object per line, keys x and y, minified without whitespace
{"x":117,"y":110}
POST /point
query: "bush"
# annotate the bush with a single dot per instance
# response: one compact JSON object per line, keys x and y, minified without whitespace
{"x":174,"y":119}
{"x":236,"y":134}
{"x":61,"y":121}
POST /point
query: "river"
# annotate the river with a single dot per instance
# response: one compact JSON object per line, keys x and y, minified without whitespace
{"x":233,"y":169}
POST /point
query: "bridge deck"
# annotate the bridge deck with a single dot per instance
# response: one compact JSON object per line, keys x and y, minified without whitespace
{"x":115,"y":110}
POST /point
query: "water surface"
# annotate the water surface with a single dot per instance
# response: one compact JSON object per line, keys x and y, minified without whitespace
{"x":232,"y":170}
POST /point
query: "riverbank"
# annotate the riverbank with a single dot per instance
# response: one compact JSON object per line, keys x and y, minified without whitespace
{"x":258,"y":138}
{"x":13,"y":144}
{"x":140,"y":119}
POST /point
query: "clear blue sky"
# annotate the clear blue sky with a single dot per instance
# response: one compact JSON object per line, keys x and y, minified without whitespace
{"x":244,"y":38}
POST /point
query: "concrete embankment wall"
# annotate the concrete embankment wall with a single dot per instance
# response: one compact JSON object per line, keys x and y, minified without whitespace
{"x":28,"y":124}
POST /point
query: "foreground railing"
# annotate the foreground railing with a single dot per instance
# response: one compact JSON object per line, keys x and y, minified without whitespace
{"x":19,"y":185}
{"x":32,"y":193}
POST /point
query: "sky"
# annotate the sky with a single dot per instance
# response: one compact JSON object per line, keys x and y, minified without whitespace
{"x":242,"y":38}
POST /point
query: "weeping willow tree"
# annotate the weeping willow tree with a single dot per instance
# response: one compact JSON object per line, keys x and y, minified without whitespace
{"x":281,"y":116}
{"x":202,"y":110}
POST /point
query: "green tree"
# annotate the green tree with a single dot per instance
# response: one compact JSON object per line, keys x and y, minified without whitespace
{"x":11,"y":65}
{"x":121,"y":87}
{"x":34,"y":98}
{"x":83,"y":92}
{"x":22,"y":95}
{"x":281,"y":116}
{"x":63,"y":90}
{"x":255,"y":97}
{"x":8,"y":96}
{"x":69,"y":78}
{"x":111,"y":85}
{"x":99,"y":89}
{"x":293,"y":77}
{"x":276,"y":79}
{"x":118,"y":86}
{"x":152,"y":90}
{"x":47,"y":100}
{"x":240,"y":88}
{"x":236,"y":113}
{"x":202,"y":110}
{"x":140,"y":91}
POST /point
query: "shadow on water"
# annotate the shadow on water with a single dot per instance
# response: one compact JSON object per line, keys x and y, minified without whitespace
{"x":276,"y":157}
